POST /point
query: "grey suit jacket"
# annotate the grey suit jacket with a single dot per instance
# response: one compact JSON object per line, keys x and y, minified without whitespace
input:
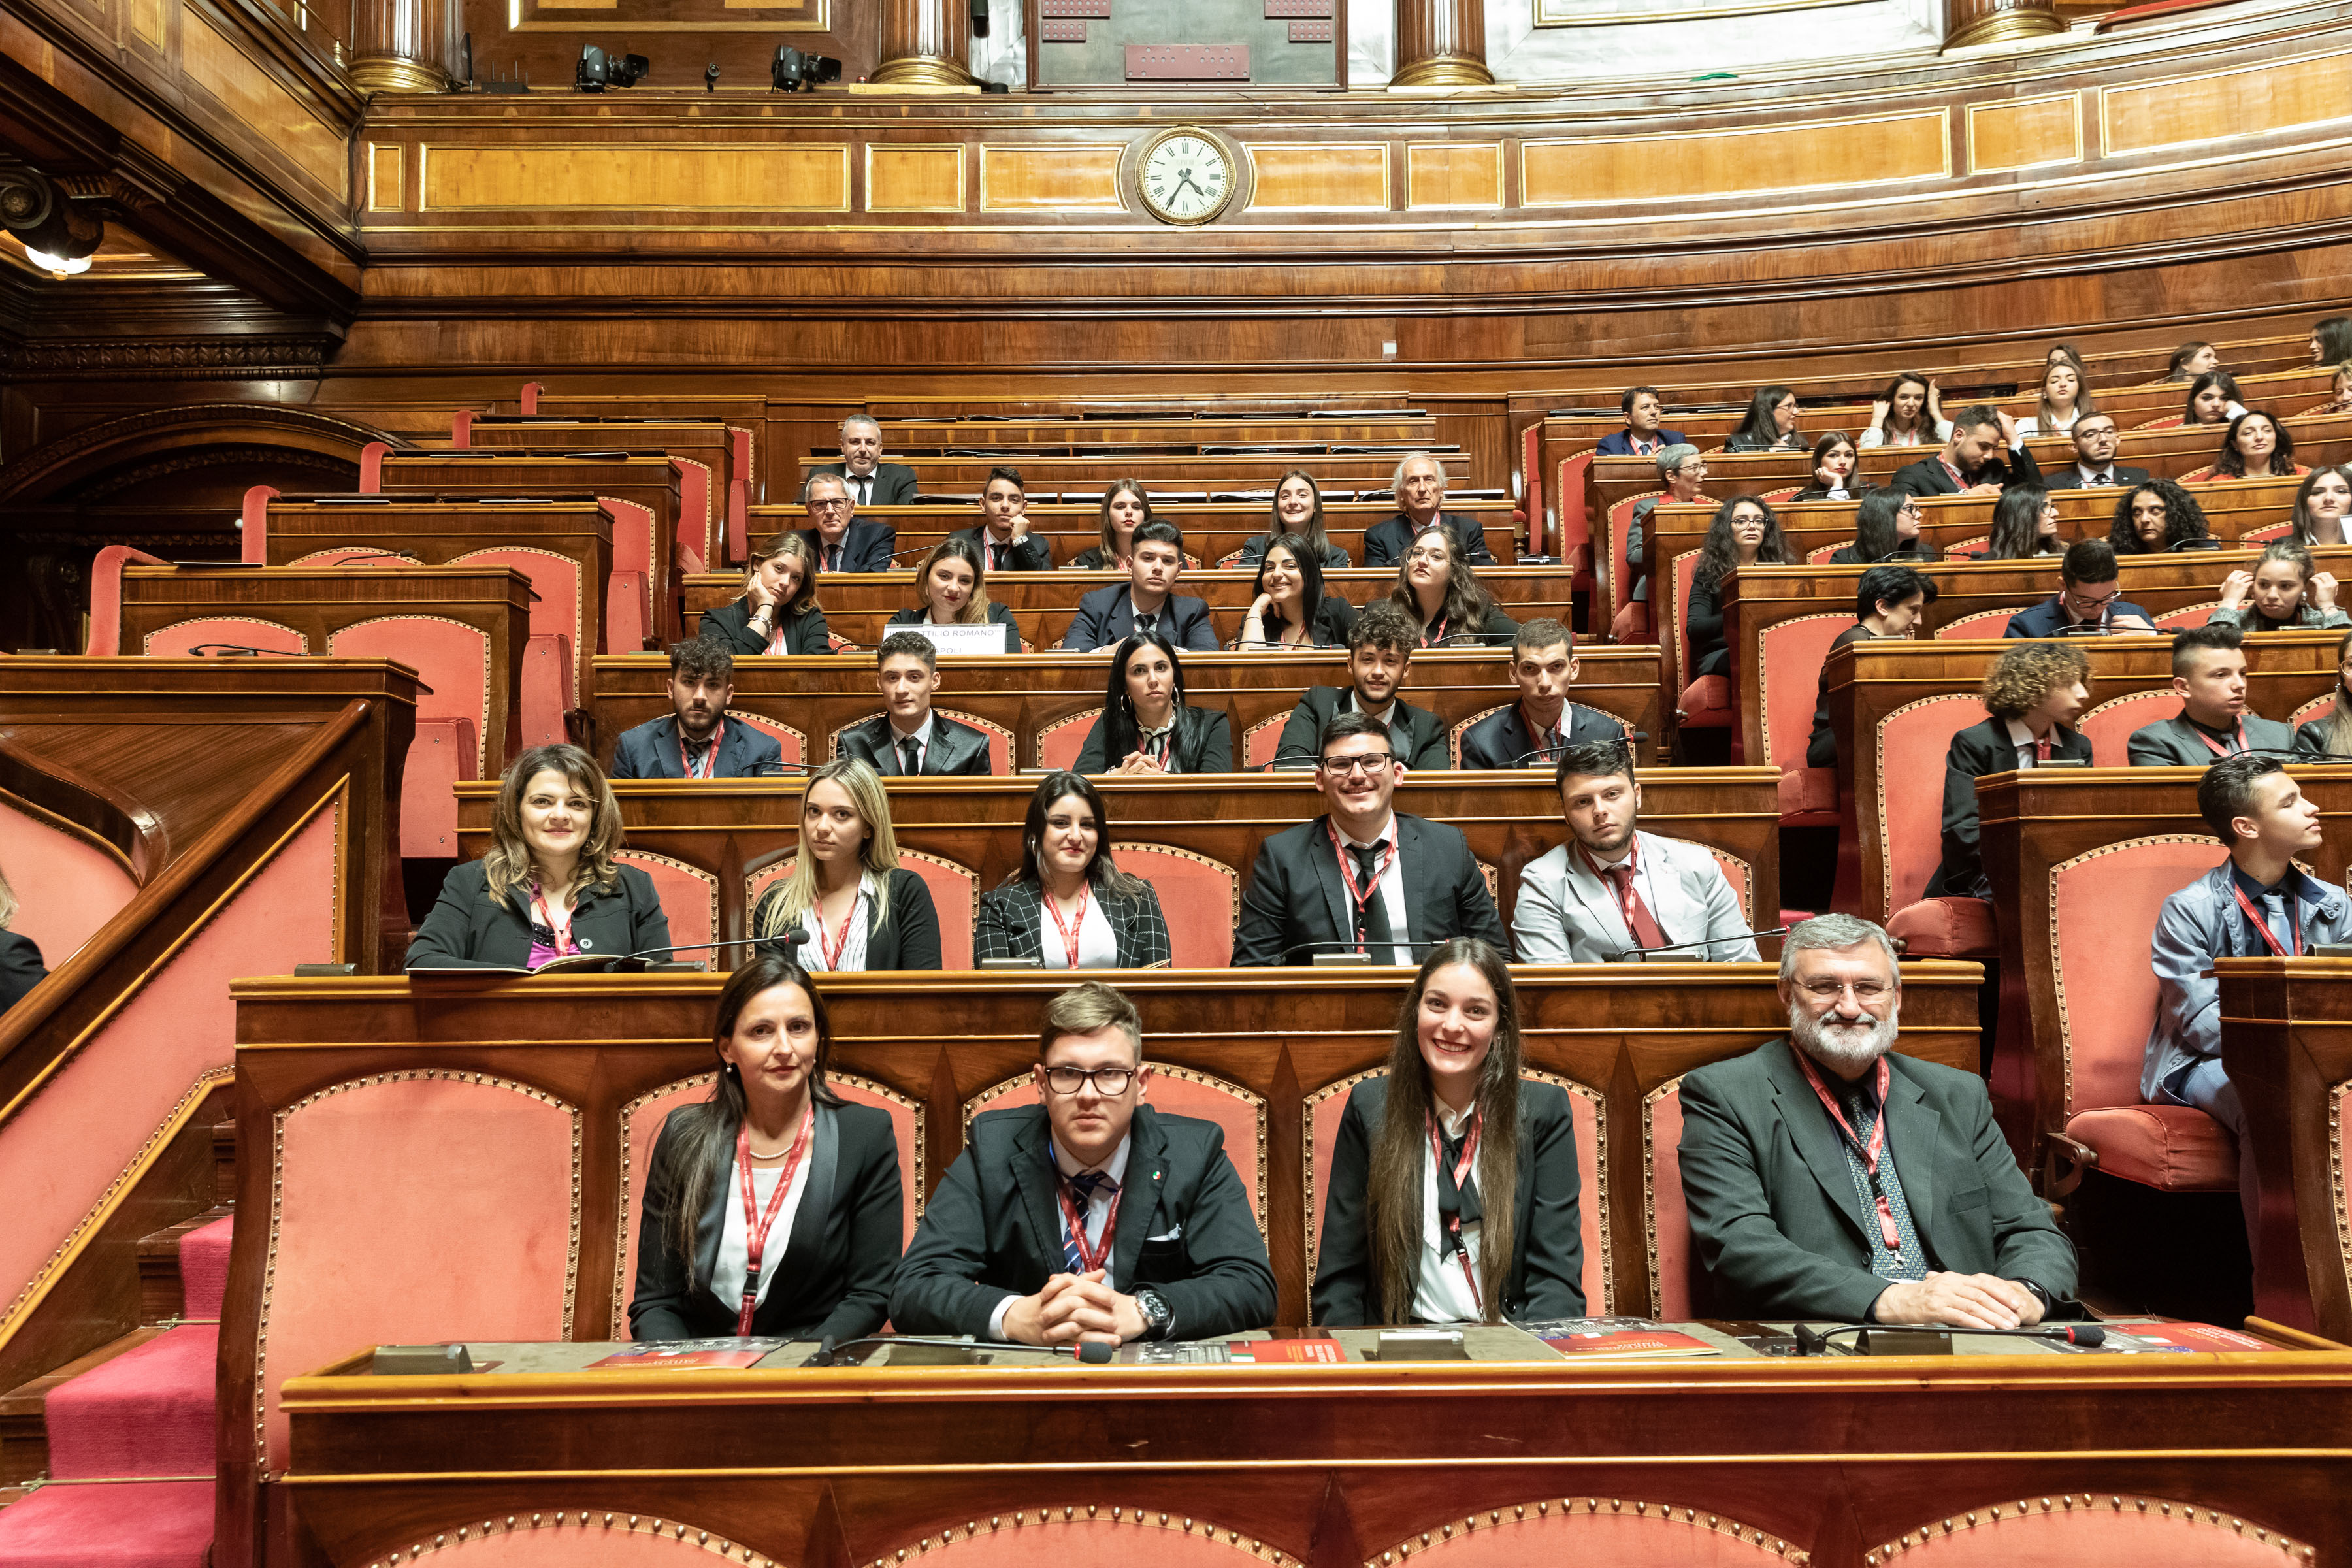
{"x":1565,"y":914}
{"x":650,"y":752}
{"x":1778,"y":1224}
{"x":894,"y":483}
{"x":1295,"y":896}
{"x":2175,"y":743}
{"x":2197,"y":925}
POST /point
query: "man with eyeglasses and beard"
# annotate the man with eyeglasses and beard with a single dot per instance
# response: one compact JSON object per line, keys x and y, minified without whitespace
{"x":1092,"y":1218}
{"x":1829,"y":1177}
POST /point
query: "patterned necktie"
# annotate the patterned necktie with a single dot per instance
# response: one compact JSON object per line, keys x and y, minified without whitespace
{"x":911,"y":757}
{"x":1372,"y":915}
{"x":1147,"y":625}
{"x":1083,"y":1187}
{"x":1638,"y":919}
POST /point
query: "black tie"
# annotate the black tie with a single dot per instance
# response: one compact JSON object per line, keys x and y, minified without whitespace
{"x":1460,"y":1202}
{"x":1147,"y":625}
{"x":911,"y":757}
{"x":2105,"y":479}
{"x":1372,"y":915}
{"x":833,"y":559}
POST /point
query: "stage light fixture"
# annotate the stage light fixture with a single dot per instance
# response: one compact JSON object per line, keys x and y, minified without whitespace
{"x":794,"y":70}
{"x":599,"y":70}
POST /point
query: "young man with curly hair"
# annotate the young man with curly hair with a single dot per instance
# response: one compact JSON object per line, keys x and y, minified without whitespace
{"x":2033,"y":693}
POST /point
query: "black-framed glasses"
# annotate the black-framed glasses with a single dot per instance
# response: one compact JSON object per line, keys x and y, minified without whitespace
{"x":1110,"y":1082}
{"x":1367,"y":763}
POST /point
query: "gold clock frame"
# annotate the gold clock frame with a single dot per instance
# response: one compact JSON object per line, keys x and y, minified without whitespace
{"x":1235,"y":161}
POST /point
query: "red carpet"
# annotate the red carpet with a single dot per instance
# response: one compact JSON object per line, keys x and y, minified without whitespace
{"x":203,"y":1268}
{"x":137,"y":1524}
{"x":149,"y":1413}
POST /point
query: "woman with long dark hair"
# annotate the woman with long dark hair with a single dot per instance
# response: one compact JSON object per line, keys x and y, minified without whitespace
{"x":2329,"y":736}
{"x":1453,"y":1194}
{"x":1836,"y":473}
{"x":1125,"y":508}
{"x":1885,"y":528}
{"x":1744,"y":533}
{"x":1909,"y":414}
{"x":2156,"y":516}
{"x":1070,"y":906}
{"x":1298,"y":509}
{"x":1770,"y":424}
{"x":773,"y":1207}
{"x":1438,"y":588}
{"x":2256,"y":444}
{"x":1147,"y":724}
{"x":1288,"y":607}
{"x":2024,"y":524}
{"x":2321,"y":503}
{"x":2331,"y":341}
{"x":2212,"y":400}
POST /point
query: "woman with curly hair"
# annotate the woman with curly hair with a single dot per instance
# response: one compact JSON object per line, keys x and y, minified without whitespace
{"x":1744,"y":533}
{"x":2156,"y":516}
{"x":2032,"y":693}
{"x":1438,"y":589}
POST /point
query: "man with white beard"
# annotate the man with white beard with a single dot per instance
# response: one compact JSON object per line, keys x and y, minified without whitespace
{"x":1829,"y":1178}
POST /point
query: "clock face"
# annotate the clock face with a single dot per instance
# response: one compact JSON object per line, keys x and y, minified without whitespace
{"x":1186,"y":178}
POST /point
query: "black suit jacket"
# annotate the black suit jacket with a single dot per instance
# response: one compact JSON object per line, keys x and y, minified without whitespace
{"x":467,"y":928}
{"x":2048,"y":618}
{"x":1979,"y":750}
{"x":838,"y":1264}
{"x":1418,"y":736}
{"x":994,"y":1228}
{"x":21,"y":968}
{"x":1547,"y":1278}
{"x":1107,"y":615}
{"x":1497,"y":630}
{"x":2070,"y":478}
{"x":894,"y":483}
{"x":1776,"y":1220}
{"x":2005,"y":468}
{"x":1034,"y":554}
{"x":909,"y":939}
{"x":1204,"y":743}
{"x":1009,"y":917}
{"x":650,"y":752}
{"x":1500,"y":740}
{"x":730,"y":624}
{"x":956,"y":750}
{"x":866,"y":547}
{"x":1253,"y":550}
{"x":1296,"y":898}
{"x":1851,"y":554}
{"x":1386,"y":543}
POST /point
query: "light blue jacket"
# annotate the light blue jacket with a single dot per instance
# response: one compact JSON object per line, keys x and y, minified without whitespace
{"x":2203,"y":922}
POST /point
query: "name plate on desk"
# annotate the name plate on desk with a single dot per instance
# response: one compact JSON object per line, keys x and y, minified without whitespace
{"x":951,"y":642}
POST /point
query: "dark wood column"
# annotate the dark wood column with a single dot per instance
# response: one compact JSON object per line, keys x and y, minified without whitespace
{"x":1443,"y":43}
{"x":397,"y":46}
{"x":925,"y":43}
{"x":1998,"y":21}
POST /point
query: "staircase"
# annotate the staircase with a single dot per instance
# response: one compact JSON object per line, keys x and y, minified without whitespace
{"x":108,"y":1462}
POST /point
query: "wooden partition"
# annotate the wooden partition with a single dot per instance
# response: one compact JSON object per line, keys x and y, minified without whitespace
{"x":722,"y":835}
{"x":564,"y":1061}
{"x":1889,"y":841}
{"x":1023,"y":694}
{"x":1207,"y":471}
{"x":723,"y":448}
{"x":1043,"y":433}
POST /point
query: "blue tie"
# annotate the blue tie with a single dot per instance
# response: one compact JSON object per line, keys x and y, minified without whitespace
{"x":1083,"y":1188}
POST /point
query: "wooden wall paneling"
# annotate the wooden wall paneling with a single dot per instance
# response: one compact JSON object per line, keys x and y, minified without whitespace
{"x":1877,"y":150}
{"x":2213,"y":106}
{"x":585,"y":177}
{"x":916,"y":177}
{"x":2024,"y":133}
{"x":1319,"y":176}
{"x":1453,"y":174}
{"x":1054,"y":179}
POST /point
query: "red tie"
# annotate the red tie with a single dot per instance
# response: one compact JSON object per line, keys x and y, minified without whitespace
{"x":1637,"y":914}
{"x":2042,"y":750}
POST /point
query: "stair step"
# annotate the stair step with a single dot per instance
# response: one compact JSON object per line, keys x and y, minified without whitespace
{"x":24,"y":1431}
{"x":147,"y":1413}
{"x":126,"y":1524}
{"x":163,"y":1291}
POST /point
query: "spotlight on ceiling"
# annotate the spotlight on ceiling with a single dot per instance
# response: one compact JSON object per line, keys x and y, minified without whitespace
{"x":57,"y":266}
{"x":794,"y":70}
{"x":58,"y":235}
{"x":599,"y":70}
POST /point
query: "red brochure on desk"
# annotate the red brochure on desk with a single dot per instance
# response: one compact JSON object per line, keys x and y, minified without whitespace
{"x":1622,"y":1337}
{"x":2182,"y":1337}
{"x":1266,"y":1353}
{"x":687,"y":1355}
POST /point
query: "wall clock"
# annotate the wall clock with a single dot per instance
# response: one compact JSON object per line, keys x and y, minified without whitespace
{"x":1185,"y":176}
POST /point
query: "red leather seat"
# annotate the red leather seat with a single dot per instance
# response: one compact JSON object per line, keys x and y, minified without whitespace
{"x":1705,"y":704}
{"x":2176,"y":1148}
{"x":1809,"y":797}
{"x":1947,"y":928}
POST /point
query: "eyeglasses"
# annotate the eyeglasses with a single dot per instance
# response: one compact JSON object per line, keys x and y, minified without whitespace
{"x":2085,"y":601}
{"x":1367,"y":763}
{"x":1831,"y":990}
{"x":1908,"y":509}
{"x":1110,"y":1082}
{"x":835,"y":503}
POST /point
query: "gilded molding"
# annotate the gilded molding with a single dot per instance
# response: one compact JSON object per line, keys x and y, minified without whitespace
{"x":170,"y":359}
{"x":372,"y":74}
{"x":1444,"y":70}
{"x":2336,"y":1181}
{"x":2182,"y":1514}
{"x":2006,"y":27}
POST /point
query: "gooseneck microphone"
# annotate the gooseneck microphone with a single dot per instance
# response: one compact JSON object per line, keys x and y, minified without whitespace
{"x":2090,"y":1336}
{"x":1642,"y":954}
{"x":1093,"y":1353}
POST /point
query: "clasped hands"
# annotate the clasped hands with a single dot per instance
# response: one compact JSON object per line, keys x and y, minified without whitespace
{"x":1959,"y":1301}
{"x":1074,"y":1310}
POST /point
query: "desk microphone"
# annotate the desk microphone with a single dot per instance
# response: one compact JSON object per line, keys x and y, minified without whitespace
{"x":1641,"y":954}
{"x":1633,"y":738}
{"x":1473,"y":639}
{"x":2090,"y":1336}
{"x":239,"y":651}
{"x":756,"y":768}
{"x":638,"y":963}
{"x":1350,"y":945}
{"x":1093,"y":1353}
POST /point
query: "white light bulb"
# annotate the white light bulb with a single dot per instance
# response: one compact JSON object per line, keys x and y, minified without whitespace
{"x":63,"y":266}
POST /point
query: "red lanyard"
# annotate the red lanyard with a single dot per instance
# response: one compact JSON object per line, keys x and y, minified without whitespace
{"x":2262,"y":927}
{"x":561,"y":930}
{"x":1098,"y":1255}
{"x":831,"y":950}
{"x":1959,"y":481}
{"x":1348,"y":874}
{"x":1075,"y":929}
{"x":1432,"y":638}
{"x":776,"y":640}
{"x":2214,"y":746}
{"x":756,"y":1227}
{"x":1887,"y":1231}
{"x":709,"y":757}
{"x":1461,"y":1169}
{"x":1623,"y":890}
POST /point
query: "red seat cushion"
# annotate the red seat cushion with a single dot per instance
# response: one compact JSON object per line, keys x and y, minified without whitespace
{"x":1947,"y":928}
{"x":1707,"y":703}
{"x":2173,"y":1148}
{"x":1808,"y":793}
{"x":1631,"y":624}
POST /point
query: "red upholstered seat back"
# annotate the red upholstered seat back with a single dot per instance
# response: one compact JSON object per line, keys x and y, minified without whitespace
{"x":793,"y":743}
{"x":1621,"y":529}
{"x":641,"y":1124}
{"x":1667,"y":1531}
{"x":1262,"y":740}
{"x":1326,"y":1106}
{"x":181,"y":638}
{"x":2314,"y":709}
{"x":2188,"y":616}
{"x":1984,"y":625}
{"x":2090,"y":1528}
{"x":1199,"y":898}
{"x":1177,"y":1091}
{"x":1665,"y":1223}
{"x":1060,"y":742}
{"x":1453,"y":736}
{"x":1912,"y":743}
{"x":452,"y":657}
{"x":1678,"y":652}
{"x":2104,"y":908}
{"x":689,"y":901}
{"x":2109,"y":726}
{"x":955,"y":894}
{"x":1819,"y":554}
{"x":559,"y":609}
{"x":1742,"y":877}
{"x":629,"y":603}
{"x":441,"y":755}
{"x":67,"y":886}
{"x":1792,"y":654}
{"x":2254,"y":536}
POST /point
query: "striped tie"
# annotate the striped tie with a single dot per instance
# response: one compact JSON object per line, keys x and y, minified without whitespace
{"x":1083,"y":1188}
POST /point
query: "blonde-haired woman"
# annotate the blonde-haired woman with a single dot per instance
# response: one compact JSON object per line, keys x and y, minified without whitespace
{"x":21,"y":968}
{"x":846,"y":896}
{"x":549,"y":888}
{"x":777,"y":612}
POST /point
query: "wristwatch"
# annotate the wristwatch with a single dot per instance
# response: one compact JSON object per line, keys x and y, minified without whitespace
{"x":1159,"y":1318}
{"x":2049,"y":1302}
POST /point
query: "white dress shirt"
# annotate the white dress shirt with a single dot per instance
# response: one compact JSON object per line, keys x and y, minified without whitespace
{"x":1097,"y":943}
{"x":2104,"y":474}
{"x":1444,"y":1295}
{"x":735,"y":1237}
{"x":920,"y":735}
{"x":2023,"y":739}
{"x":1097,"y":1216}
{"x":851,"y":958}
{"x":1392,"y":889}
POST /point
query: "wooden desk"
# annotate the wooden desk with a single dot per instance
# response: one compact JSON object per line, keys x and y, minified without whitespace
{"x":910,"y":432}
{"x":1255,"y":471}
{"x":1023,"y":693}
{"x":722,"y":449}
{"x":2287,"y":1041}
